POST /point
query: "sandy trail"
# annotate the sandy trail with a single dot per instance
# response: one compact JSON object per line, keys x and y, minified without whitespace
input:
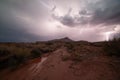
{"x":54,"y":67}
{"x":27,"y":72}
{"x":36,"y":67}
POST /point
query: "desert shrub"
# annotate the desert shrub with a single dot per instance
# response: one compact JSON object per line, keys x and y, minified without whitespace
{"x":112,"y":47}
{"x":12,"y":56}
{"x":4,"y":63}
{"x":52,"y":46}
{"x":16,"y":60}
{"x":4,"y":52}
{"x":12,"y":61}
{"x":36,"y":53}
{"x":70,"y":47}
{"x":15,"y":54}
{"x":19,"y":56}
{"x":49,"y":43}
{"x":46,"y":49}
{"x":76,"y":57}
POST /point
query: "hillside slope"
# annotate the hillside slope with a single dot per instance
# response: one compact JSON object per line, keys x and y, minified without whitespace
{"x":63,"y":65}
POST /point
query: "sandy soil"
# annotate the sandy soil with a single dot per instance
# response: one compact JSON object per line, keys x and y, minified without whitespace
{"x":53,"y":67}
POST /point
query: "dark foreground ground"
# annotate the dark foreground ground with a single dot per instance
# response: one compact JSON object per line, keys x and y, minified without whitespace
{"x":76,"y":61}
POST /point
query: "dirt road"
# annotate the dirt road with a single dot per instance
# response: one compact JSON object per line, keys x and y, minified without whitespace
{"x":54,"y":67}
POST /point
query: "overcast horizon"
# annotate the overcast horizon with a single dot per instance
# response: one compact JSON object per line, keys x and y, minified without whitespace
{"x":42,"y":20}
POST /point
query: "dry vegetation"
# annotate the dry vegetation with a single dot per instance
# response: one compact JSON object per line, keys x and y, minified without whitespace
{"x":94,"y":61}
{"x":14,"y":54}
{"x":112,"y":47}
{"x":82,"y":49}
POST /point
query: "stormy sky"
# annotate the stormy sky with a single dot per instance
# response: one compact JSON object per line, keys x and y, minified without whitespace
{"x":39,"y":20}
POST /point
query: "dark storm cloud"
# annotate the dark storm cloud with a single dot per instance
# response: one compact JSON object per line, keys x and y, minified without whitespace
{"x":84,"y":12}
{"x":29,"y":20}
{"x":105,"y":12}
{"x":12,"y":32}
{"x":12,"y":28}
{"x":72,"y":21}
{"x":67,"y":20}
